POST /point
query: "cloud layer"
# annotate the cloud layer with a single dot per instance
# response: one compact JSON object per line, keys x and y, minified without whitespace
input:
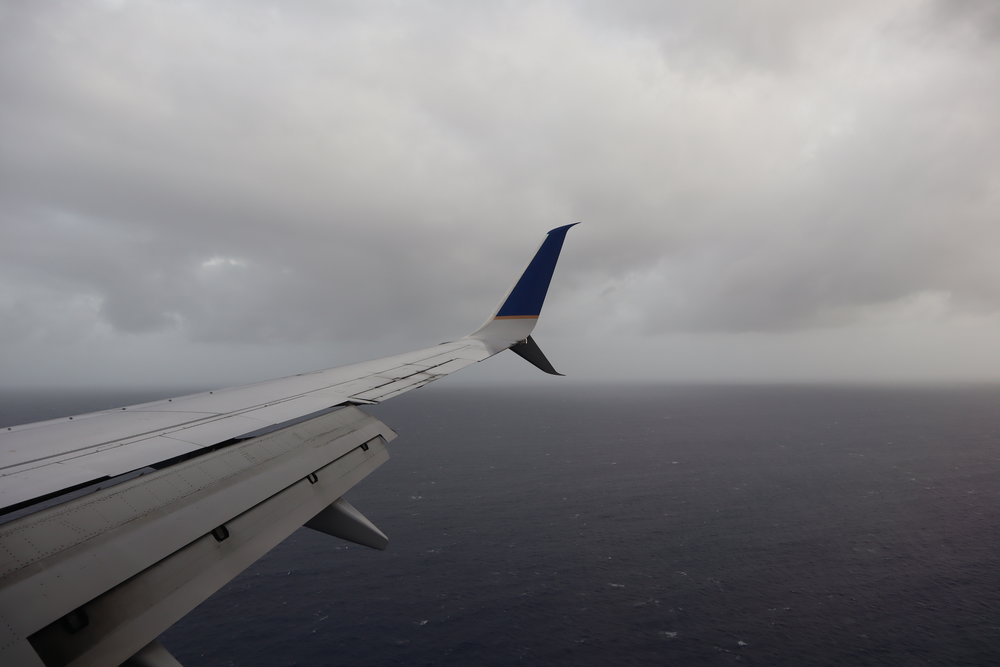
{"x":252,"y":182}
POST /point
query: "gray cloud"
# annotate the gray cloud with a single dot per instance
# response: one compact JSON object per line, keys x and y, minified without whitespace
{"x":359,"y":175}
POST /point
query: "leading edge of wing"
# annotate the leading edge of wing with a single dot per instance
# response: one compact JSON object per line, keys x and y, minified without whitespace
{"x":43,"y":459}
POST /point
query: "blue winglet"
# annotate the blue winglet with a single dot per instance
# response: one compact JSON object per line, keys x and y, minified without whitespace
{"x":525,"y":300}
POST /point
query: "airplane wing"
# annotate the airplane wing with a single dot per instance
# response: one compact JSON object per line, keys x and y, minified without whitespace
{"x":115,"y":524}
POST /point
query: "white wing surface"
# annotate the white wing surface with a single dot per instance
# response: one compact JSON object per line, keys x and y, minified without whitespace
{"x":115,"y":524}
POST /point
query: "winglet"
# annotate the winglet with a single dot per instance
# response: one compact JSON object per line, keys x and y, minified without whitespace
{"x":528,"y":294}
{"x":514,"y":320}
{"x":528,"y":350}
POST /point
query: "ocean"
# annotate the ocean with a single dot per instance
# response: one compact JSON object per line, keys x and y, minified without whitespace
{"x":639,"y":525}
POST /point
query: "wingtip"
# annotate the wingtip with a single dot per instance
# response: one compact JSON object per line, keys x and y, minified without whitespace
{"x":563,"y":229}
{"x":526,"y":298}
{"x":519,"y":311}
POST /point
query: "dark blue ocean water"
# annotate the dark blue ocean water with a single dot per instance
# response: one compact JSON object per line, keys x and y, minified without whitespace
{"x":645,"y":525}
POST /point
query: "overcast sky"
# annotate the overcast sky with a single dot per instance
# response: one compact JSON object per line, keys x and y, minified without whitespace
{"x":211,"y":193}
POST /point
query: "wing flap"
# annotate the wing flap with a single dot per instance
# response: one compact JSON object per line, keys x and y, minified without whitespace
{"x":226,"y":512}
{"x":233,"y":476}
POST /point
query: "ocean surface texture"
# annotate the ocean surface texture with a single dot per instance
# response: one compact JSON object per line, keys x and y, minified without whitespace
{"x":628,"y":525}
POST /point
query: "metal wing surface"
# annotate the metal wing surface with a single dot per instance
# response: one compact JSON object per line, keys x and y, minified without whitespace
{"x":115,"y":524}
{"x":48,"y":457}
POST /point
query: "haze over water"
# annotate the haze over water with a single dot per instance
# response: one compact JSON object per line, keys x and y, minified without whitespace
{"x":644,"y":525}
